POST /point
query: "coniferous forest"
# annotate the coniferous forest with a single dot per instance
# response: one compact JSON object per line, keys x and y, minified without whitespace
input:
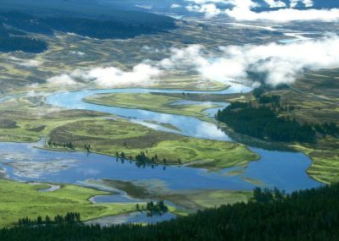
{"x":15,"y":40}
{"x":14,"y":27}
{"x":264,"y":123}
{"x":106,"y":28}
{"x":264,"y":119}
{"x":309,"y":215}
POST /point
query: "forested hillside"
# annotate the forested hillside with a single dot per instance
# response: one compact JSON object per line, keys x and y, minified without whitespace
{"x":263,"y":123}
{"x":119,"y":26}
{"x":300,"y":216}
{"x":268,"y":118}
{"x":16,"y":28}
{"x":14,"y":40}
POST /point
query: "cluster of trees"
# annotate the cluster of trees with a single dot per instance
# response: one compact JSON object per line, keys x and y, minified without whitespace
{"x":263,"y":99}
{"x":268,"y":195}
{"x":273,"y":101}
{"x":69,"y":218}
{"x":264,"y":123}
{"x":327,"y":129}
{"x":309,"y":215}
{"x":143,"y":160}
{"x":68,"y":145}
{"x":13,"y":40}
{"x":88,"y":147}
{"x":154,"y":209}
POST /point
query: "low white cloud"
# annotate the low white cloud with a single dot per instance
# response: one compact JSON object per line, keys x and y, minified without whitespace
{"x":306,"y":3}
{"x":148,"y":7}
{"x":29,"y":63}
{"x":150,"y":50}
{"x":141,"y":74}
{"x":272,"y":63}
{"x":280,"y":64}
{"x":175,"y":5}
{"x":184,"y":58}
{"x":243,"y":10}
{"x":109,"y":77}
{"x":275,"y":63}
{"x":79,"y":53}
{"x":61,"y":80}
{"x":210,"y":10}
{"x":285,"y":15}
{"x":275,"y":4}
{"x":200,"y":2}
{"x":220,"y":67}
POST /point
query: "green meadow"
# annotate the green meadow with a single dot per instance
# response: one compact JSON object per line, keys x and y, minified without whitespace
{"x":18,"y":200}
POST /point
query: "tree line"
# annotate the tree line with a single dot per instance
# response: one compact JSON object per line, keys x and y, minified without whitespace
{"x":100,"y":28}
{"x":263,"y":123}
{"x":153,"y":209}
{"x":69,"y":218}
{"x":14,"y":40}
{"x":308,"y":215}
{"x":264,"y":120}
{"x":143,"y":160}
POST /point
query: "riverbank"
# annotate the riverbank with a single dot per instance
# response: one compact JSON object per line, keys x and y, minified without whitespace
{"x":102,"y":131}
{"x":152,"y":102}
{"x":185,"y":201}
{"x":120,"y":136}
{"x":19,"y":200}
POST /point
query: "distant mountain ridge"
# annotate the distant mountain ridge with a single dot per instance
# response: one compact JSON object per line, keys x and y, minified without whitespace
{"x":86,"y":18}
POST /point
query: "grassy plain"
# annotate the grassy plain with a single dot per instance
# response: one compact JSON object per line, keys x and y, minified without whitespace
{"x":29,"y":120}
{"x":18,"y":200}
{"x":325,"y":166}
{"x":107,"y":136}
{"x":152,"y":102}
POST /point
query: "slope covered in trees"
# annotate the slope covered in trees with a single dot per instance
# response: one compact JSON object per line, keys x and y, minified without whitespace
{"x":268,"y":118}
{"x":120,"y":27}
{"x":14,"y":40}
{"x":263,"y":123}
{"x":300,"y":216}
{"x":16,"y":27}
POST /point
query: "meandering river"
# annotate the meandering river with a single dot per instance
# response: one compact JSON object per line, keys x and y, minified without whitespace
{"x":284,"y":170}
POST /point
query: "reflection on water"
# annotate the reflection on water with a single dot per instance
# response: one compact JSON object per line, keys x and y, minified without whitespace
{"x":136,"y":217}
{"x":284,"y":170}
{"x":117,"y":198}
